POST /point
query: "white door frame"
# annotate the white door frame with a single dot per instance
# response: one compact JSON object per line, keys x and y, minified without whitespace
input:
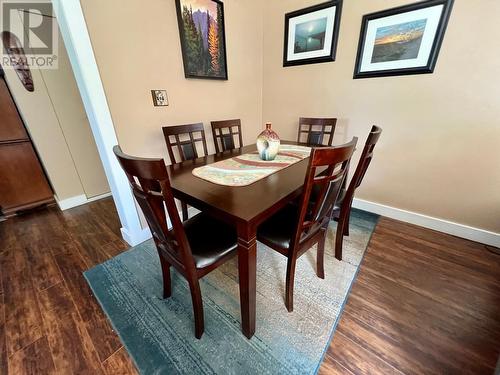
{"x":81,"y":55}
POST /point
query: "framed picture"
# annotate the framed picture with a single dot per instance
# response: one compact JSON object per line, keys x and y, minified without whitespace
{"x":203,"y":40}
{"x":311,"y":34}
{"x":160,"y":98}
{"x":403,"y":40}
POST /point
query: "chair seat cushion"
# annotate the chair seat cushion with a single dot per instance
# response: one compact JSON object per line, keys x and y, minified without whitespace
{"x":210,"y":239}
{"x":278,"y":230}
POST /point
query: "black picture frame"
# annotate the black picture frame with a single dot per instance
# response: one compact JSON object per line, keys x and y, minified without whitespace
{"x":438,"y":39}
{"x":335,"y":33}
{"x":182,"y":36}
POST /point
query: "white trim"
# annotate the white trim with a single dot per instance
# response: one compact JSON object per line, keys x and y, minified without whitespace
{"x":66,"y":204}
{"x":79,"y":47}
{"x":136,"y":238}
{"x":98,"y":197}
{"x":445,"y":226}
{"x":145,"y":233}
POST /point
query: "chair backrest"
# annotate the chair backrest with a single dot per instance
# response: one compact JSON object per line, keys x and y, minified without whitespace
{"x":150,"y":185}
{"x":186,"y":147}
{"x":364,"y":162}
{"x":335,"y":162}
{"x":224,"y":133}
{"x":315,"y":130}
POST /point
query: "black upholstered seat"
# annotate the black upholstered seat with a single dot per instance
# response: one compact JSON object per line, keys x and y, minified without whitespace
{"x":210,"y":239}
{"x":278,"y":230}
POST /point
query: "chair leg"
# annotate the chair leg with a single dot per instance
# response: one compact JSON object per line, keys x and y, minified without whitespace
{"x":184,"y":209}
{"x":320,"y":256}
{"x":199,"y":325}
{"x":339,"y":238}
{"x":165,"y":270}
{"x":290,"y":277}
{"x":346,"y":225}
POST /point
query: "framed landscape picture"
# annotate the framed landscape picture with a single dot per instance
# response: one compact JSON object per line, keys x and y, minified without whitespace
{"x":311,"y":34}
{"x":403,"y":40}
{"x":203,"y":40}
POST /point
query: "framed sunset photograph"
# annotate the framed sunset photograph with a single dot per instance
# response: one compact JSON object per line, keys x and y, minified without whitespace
{"x":311,"y":34}
{"x":403,"y":40}
{"x":203,"y":39}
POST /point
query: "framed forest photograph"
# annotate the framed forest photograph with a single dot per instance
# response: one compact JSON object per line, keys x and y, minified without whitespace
{"x":402,"y":40}
{"x":203,"y":40}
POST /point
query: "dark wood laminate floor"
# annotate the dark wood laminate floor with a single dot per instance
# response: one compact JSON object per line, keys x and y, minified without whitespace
{"x":423,"y":302}
{"x":49,"y":321}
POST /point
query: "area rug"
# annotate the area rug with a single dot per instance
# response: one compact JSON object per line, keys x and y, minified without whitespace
{"x":159,"y":334}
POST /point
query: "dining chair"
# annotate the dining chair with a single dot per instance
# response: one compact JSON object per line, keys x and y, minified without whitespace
{"x":224,"y":132}
{"x":342,"y":209}
{"x":315,"y":131}
{"x":296,"y":228}
{"x":194,"y":247}
{"x":186,"y":148}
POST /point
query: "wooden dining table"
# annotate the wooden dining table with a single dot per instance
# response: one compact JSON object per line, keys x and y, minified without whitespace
{"x":245,"y":207}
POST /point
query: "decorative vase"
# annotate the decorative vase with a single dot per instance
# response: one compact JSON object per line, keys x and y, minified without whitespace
{"x":268,"y":143}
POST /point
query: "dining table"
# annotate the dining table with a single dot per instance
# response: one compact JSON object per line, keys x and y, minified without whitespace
{"x":244,"y":207}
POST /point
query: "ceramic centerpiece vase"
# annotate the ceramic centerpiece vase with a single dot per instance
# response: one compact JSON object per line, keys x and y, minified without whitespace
{"x":268,"y":143}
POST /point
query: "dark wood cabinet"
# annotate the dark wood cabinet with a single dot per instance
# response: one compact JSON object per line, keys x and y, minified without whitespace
{"x":12,"y":127}
{"x":23,"y":183}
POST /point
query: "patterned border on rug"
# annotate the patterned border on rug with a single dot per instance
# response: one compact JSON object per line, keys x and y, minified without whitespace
{"x":159,"y":334}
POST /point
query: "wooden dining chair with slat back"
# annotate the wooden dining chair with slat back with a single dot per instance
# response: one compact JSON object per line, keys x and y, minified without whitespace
{"x":192,"y":134}
{"x":314,"y":131}
{"x":224,"y":133}
{"x":342,"y":210}
{"x":194,"y":247}
{"x":296,"y":228}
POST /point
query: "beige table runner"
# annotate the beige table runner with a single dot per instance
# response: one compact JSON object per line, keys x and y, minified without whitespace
{"x":246,"y":169}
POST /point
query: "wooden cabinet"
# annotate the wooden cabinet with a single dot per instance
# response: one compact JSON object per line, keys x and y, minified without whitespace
{"x":23,"y":183}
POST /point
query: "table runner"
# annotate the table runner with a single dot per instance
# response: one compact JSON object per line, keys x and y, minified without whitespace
{"x":243,"y":170}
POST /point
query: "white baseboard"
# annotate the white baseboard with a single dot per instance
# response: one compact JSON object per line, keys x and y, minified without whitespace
{"x":98,"y":197}
{"x":66,"y":204}
{"x":455,"y":229}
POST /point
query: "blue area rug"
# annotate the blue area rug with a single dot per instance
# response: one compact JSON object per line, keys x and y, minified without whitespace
{"x":159,"y":334}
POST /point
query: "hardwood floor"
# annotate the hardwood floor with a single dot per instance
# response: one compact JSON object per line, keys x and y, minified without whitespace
{"x":50,"y":323}
{"x":423,"y":302}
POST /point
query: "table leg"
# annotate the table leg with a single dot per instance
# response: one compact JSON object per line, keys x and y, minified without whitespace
{"x":247,"y":264}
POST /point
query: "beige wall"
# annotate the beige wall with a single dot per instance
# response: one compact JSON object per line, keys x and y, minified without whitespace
{"x":439,"y":152}
{"x":137,"y":48}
